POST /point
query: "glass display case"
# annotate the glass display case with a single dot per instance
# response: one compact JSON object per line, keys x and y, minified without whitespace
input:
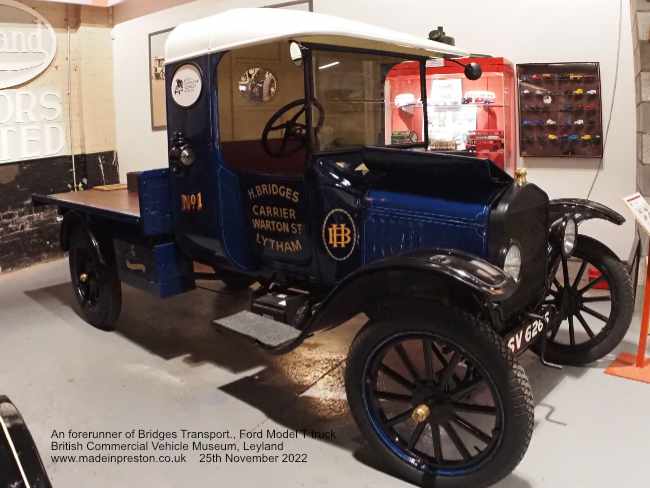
{"x":476,"y":118}
{"x":560,"y":110}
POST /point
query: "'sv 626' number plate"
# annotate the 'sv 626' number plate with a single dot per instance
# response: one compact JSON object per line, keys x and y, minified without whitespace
{"x":522,"y":337}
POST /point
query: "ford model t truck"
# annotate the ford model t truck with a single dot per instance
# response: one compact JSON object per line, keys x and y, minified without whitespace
{"x":281,"y":172}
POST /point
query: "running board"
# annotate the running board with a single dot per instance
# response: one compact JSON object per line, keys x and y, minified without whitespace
{"x":268,"y":332}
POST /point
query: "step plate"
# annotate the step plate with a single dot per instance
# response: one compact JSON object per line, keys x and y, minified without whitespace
{"x":262,"y":329}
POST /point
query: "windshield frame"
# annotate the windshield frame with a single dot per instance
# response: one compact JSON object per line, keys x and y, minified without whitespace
{"x":310,"y":89}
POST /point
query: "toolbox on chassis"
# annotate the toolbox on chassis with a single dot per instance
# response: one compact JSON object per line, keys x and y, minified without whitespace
{"x":281,"y":172}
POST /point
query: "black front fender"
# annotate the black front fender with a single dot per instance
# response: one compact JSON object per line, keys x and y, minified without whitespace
{"x":581,"y":209}
{"x":439,"y":274}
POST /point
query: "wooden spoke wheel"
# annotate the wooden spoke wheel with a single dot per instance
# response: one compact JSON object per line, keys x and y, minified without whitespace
{"x":593,"y":293}
{"x":437,"y":399}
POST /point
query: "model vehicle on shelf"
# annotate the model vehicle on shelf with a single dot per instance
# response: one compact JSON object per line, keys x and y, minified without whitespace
{"x":281,"y":171}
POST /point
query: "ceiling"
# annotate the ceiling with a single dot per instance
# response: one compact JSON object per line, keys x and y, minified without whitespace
{"x":93,"y":3}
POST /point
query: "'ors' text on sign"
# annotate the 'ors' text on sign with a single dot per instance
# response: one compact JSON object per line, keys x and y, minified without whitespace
{"x":31,"y":124}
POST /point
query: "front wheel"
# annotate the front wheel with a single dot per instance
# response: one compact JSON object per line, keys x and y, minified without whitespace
{"x":440,"y":398}
{"x":593,"y":293}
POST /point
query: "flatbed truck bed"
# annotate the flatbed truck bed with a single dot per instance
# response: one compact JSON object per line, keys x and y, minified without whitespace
{"x":118,"y":204}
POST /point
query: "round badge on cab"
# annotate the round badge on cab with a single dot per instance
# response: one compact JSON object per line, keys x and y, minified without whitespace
{"x":339,"y":234}
{"x":186,"y":85}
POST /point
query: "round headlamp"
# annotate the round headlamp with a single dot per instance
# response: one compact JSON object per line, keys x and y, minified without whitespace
{"x":187,"y":155}
{"x":569,"y":237}
{"x":512,"y":262}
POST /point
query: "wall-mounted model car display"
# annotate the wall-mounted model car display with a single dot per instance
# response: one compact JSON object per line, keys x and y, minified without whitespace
{"x":281,"y":170}
{"x":560,"y":110}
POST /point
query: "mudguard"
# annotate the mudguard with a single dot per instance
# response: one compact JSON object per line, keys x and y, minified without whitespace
{"x":581,"y":210}
{"x":437,"y":274}
{"x":20,"y":463}
{"x":70,"y":220}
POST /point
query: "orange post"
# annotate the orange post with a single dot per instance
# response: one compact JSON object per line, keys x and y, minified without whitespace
{"x":643,"y":340}
{"x":626,"y":365}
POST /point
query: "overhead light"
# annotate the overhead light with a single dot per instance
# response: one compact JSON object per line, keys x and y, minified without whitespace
{"x":329,"y":65}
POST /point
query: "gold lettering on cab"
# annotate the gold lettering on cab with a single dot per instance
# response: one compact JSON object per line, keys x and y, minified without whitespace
{"x":274,"y":217}
{"x":192,"y":202}
{"x":339,"y":234}
{"x":273,"y":190}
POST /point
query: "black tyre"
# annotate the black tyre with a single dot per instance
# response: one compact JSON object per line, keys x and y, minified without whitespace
{"x":440,"y":398}
{"x":594,"y":320}
{"x":96,"y":286}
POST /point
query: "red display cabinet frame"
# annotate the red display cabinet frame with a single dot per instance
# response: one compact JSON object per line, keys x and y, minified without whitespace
{"x":474,"y":117}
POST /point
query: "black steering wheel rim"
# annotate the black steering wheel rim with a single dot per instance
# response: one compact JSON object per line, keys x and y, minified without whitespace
{"x":293,"y":130}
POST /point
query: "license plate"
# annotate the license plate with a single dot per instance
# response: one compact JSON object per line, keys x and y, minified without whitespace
{"x":522,"y":337}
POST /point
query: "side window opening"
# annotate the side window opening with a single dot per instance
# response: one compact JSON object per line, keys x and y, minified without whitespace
{"x":254,"y":84}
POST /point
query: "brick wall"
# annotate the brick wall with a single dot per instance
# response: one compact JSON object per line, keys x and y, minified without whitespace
{"x":28,"y":235}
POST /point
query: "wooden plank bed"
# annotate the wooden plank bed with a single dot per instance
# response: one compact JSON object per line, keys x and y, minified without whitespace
{"x":118,"y":204}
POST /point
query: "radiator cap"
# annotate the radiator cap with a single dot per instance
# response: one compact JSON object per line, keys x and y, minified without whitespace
{"x":520,"y":176}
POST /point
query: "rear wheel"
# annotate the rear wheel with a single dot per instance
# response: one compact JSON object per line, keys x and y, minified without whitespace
{"x":593,"y":293}
{"x":96,"y":286}
{"x":441,"y":399}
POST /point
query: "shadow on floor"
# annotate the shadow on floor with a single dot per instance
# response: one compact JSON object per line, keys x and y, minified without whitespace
{"x":300,"y":390}
{"x":180,"y":326}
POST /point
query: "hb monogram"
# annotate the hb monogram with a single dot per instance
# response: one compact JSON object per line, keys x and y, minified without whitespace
{"x":339,"y":235}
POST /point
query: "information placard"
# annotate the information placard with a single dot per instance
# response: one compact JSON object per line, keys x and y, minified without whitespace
{"x":640,"y":209}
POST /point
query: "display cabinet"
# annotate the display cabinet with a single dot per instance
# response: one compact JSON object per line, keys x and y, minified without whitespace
{"x":560,"y":110}
{"x":464,"y":116}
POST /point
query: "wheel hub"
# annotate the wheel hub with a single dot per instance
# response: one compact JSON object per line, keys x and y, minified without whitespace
{"x":431,"y":404}
{"x":421,"y":413}
{"x":570,"y":301}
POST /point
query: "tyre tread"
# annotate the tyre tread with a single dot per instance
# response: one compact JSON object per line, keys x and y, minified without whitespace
{"x":522,"y":413}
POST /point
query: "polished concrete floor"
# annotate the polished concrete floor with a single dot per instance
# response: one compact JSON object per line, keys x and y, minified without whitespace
{"x":167,"y":368}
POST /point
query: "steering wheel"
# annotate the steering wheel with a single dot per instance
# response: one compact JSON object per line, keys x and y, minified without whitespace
{"x":294,"y":131}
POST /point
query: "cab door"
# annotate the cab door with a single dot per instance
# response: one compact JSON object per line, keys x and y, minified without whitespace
{"x":277,"y":217}
{"x":259,"y":88}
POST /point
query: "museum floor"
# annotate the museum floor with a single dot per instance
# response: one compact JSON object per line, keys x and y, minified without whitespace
{"x":167,"y":368}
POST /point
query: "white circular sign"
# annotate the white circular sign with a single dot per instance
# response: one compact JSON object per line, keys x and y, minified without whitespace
{"x":27,"y":44}
{"x":186,"y":85}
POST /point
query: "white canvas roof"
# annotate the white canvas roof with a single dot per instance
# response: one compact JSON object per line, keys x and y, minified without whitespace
{"x":243,"y":27}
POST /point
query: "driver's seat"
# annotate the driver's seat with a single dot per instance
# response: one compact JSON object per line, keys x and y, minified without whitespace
{"x":250,"y":157}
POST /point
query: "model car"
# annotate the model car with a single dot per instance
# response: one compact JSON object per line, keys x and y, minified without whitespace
{"x":479,"y":97}
{"x":459,"y":266}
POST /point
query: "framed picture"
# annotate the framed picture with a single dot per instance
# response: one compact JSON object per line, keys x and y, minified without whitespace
{"x":157,"y":65}
{"x":157,"y":78}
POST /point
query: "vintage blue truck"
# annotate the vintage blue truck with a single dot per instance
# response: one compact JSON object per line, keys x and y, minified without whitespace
{"x":281,"y":172}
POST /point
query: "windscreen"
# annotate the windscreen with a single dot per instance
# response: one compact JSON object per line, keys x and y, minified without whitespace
{"x":360,"y":108}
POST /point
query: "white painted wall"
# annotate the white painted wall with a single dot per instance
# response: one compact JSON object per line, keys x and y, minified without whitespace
{"x":523,"y":31}
{"x":138,"y":146}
